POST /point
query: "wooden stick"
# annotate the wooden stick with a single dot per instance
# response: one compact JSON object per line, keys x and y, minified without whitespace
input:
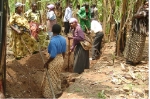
{"x":68,"y":53}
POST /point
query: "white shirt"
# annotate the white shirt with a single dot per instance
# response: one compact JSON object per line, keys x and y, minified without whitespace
{"x":96,"y":26}
{"x":68,"y":14}
{"x":51,"y":15}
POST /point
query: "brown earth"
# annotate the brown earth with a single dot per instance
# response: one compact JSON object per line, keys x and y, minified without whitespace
{"x":105,"y":78}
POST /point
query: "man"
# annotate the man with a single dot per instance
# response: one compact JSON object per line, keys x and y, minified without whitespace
{"x":95,"y":12}
{"x":85,"y":17}
{"x":96,"y":27}
{"x":67,"y":16}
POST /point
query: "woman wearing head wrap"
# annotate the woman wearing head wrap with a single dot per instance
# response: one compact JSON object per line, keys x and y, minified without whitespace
{"x":135,"y":45}
{"x":56,"y":49}
{"x":81,"y":56}
{"x":51,"y":19}
{"x":35,"y":21}
{"x":22,"y":43}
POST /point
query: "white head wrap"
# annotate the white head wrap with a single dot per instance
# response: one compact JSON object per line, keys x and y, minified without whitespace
{"x":50,"y":6}
{"x":73,"y":20}
{"x":19,"y":4}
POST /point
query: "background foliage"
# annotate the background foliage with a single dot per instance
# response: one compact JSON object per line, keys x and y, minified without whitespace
{"x":110,"y":13}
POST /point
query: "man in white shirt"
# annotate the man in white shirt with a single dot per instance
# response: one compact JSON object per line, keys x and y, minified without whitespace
{"x":96,"y":27}
{"x":67,"y":16}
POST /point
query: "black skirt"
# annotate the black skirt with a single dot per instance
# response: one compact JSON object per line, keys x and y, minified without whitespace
{"x":81,"y":59}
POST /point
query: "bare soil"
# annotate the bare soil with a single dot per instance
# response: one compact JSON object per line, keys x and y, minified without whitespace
{"x":108,"y":77}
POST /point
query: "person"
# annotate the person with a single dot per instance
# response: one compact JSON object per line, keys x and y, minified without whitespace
{"x":136,"y":41}
{"x":58,"y":12}
{"x":36,"y":28}
{"x":96,"y":27}
{"x":22,"y":43}
{"x":95,"y":12}
{"x":34,"y":18}
{"x":92,"y":11}
{"x":54,"y":65}
{"x":85,"y":17}
{"x":51,"y":19}
{"x":67,"y":16}
{"x":81,"y":56}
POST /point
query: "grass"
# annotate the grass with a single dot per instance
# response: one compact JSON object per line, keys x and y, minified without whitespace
{"x":101,"y":95}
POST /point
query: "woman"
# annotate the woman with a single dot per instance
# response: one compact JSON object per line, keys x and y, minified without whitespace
{"x":51,"y":19}
{"x":22,"y":43}
{"x":136,"y":42}
{"x":85,"y":17}
{"x":81,"y":56}
{"x":34,"y":19}
{"x":56,"y":49}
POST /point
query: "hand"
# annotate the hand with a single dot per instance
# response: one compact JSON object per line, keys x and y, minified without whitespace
{"x":69,"y":52}
{"x":85,"y":19}
{"x":71,"y":49}
{"x":19,"y":31}
{"x":46,"y":65}
{"x":88,"y":32}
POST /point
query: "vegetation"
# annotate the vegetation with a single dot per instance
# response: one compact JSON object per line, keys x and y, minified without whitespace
{"x":110,"y":13}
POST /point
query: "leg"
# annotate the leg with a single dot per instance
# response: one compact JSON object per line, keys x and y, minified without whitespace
{"x":97,"y":45}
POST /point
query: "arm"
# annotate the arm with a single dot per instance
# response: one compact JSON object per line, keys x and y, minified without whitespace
{"x":63,"y":54}
{"x":66,"y":14}
{"x":79,"y":34}
{"x":140,"y":13}
{"x":11,"y":24}
{"x":53,"y":52}
{"x":48,"y":61}
{"x":81,"y":13}
{"x":15,"y":29}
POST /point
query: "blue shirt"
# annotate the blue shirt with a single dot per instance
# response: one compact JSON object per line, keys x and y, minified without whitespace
{"x":56,"y":46}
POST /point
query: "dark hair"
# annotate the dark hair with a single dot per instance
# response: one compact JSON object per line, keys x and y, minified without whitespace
{"x":57,"y":3}
{"x":56,"y":28}
{"x":86,"y":5}
{"x":78,"y":6}
{"x":145,"y":1}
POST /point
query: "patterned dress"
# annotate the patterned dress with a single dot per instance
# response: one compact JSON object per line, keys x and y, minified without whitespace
{"x":136,"y":41}
{"x":22,"y":44}
{"x":36,"y":31}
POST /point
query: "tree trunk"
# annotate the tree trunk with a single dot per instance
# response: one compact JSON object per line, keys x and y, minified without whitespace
{"x":23,"y":1}
{"x":104,"y":18}
{"x":120,"y":41}
{"x":112,"y":21}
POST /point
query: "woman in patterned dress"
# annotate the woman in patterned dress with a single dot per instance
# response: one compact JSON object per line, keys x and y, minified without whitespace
{"x":22,"y":43}
{"x":135,"y":45}
{"x":54,"y":65}
{"x":34,"y":18}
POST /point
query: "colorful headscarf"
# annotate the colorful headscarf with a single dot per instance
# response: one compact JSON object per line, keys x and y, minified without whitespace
{"x":73,"y":20}
{"x":50,"y":6}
